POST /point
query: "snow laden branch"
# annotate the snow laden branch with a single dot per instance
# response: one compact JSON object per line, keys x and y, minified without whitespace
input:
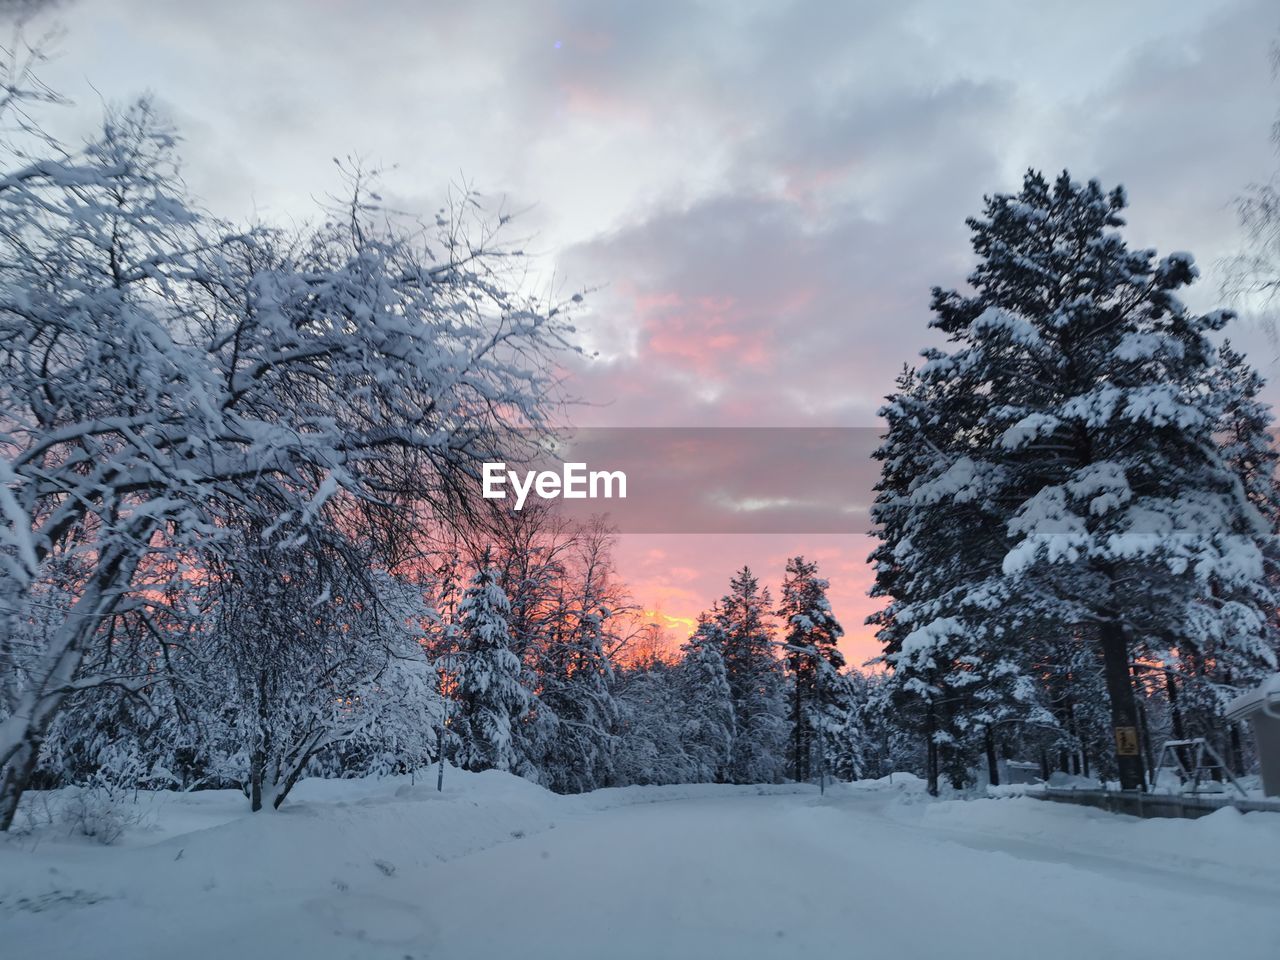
{"x":175,"y":391}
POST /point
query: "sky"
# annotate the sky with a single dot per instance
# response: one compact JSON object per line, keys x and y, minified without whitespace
{"x":758,"y":195}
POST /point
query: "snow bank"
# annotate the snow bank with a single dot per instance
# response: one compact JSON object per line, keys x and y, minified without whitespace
{"x":1226,"y":845}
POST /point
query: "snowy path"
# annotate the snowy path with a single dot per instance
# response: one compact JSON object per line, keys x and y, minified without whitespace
{"x":717,"y":878}
{"x":725,"y":874}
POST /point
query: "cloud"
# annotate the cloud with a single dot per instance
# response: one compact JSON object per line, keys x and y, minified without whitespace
{"x":22,"y":11}
{"x":764,"y":192}
{"x":746,"y":309}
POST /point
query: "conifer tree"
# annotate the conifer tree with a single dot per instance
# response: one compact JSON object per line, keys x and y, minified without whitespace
{"x":755,"y":682}
{"x":1081,"y":470}
{"x":938,"y":539}
{"x":491,"y":696}
{"x":810,"y":635}
{"x":844,"y":726}
{"x":567,"y":608}
{"x":1230,"y":639}
{"x":576,"y":680}
{"x":703,"y":683}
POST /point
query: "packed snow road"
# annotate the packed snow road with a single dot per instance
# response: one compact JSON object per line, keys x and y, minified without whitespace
{"x":777,"y":877}
{"x":500,"y":869}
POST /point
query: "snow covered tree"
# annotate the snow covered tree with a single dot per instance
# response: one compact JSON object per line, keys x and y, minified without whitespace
{"x":1231,"y":641}
{"x":891,"y":741}
{"x":756,"y":682}
{"x":137,"y":733}
{"x":1076,"y":736}
{"x":491,"y":696}
{"x":810,"y":634}
{"x":1245,"y":432}
{"x":533,"y":551}
{"x":651,"y":708}
{"x":318,"y":652}
{"x":575,"y":674}
{"x":843,"y":723}
{"x":159,"y":370}
{"x":1131,"y":519}
{"x":939,"y":564}
{"x":708,"y":728}
{"x":1082,"y":443}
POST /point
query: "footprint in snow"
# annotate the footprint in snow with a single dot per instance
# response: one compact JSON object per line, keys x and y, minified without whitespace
{"x":371,"y":919}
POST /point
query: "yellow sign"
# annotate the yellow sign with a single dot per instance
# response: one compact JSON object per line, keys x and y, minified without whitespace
{"x":1126,"y":741}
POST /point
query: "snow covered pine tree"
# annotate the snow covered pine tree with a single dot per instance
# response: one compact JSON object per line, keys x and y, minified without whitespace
{"x":1085,"y":404}
{"x":492,"y":697}
{"x":755,"y":682}
{"x":938,"y":541}
{"x":708,"y":730}
{"x":810,"y":635}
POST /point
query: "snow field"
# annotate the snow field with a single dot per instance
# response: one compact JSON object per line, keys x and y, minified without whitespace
{"x":496,"y":866}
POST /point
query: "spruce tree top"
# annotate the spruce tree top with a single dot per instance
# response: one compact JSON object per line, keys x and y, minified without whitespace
{"x":1083,"y":404}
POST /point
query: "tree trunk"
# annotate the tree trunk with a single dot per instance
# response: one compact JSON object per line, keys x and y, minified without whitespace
{"x":1075,"y":736}
{"x":1237,"y":751}
{"x":993,"y":768}
{"x":256,"y":775}
{"x":800,"y":754}
{"x":1144,"y":728}
{"x":23,"y":732}
{"x":17,"y":774}
{"x":1171,"y":691}
{"x":1124,"y":710}
{"x":1175,"y":713}
{"x":931,"y":753}
{"x":262,"y":747}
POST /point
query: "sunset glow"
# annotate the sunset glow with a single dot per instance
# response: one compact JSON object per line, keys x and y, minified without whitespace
{"x":587,"y":480}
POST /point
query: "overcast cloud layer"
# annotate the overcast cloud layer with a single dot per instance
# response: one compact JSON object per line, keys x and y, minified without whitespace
{"x":763,"y":192}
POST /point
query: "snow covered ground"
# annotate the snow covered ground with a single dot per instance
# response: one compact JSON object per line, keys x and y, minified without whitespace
{"x":495,"y":867}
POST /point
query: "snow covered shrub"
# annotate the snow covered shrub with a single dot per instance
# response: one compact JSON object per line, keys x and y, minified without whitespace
{"x":100,"y":810}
